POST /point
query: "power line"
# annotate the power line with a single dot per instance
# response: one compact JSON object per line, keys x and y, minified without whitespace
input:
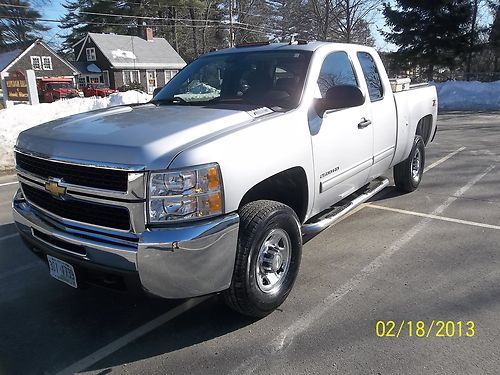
{"x":128,"y":25}
{"x":167,"y":19}
{"x":175,"y":6}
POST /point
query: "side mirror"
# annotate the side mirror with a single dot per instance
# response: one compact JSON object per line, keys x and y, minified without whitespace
{"x":340,"y":97}
{"x":156,"y":91}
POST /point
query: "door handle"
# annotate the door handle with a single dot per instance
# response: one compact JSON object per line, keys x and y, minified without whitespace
{"x":364,"y":123}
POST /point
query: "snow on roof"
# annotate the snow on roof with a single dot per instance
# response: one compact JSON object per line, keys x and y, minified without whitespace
{"x":125,"y":52}
{"x":7,"y":57}
{"x":117,"y":53}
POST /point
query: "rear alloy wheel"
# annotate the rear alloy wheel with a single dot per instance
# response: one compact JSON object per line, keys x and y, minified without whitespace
{"x":267,"y":258}
{"x":408,"y":173}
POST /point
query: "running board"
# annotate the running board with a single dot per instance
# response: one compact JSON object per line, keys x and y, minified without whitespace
{"x":329,"y":217}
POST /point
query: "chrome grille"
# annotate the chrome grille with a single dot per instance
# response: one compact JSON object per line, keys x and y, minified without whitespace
{"x":78,"y":210}
{"x":87,"y":176}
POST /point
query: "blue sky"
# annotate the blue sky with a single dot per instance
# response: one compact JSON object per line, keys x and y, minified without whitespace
{"x":52,"y":11}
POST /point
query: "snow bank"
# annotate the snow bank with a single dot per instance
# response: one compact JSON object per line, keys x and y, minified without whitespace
{"x":468,"y":96}
{"x":21,"y":117}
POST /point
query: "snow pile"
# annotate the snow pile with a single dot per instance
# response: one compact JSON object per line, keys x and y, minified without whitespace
{"x":22,"y":116}
{"x":468,"y":96}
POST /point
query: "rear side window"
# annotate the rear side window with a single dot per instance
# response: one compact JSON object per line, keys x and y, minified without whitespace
{"x":336,"y":70}
{"x":372,"y":76}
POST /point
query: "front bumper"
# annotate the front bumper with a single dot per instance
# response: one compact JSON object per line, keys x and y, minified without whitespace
{"x":171,"y":262}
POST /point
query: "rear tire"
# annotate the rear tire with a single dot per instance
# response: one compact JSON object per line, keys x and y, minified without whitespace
{"x":267,"y":258}
{"x":408,"y":173}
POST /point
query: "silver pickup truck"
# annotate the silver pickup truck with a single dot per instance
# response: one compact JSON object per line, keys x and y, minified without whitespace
{"x":214,"y":184}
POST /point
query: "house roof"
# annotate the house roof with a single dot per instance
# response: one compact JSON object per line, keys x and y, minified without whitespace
{"x":7,"y":59}
{"x":133,"y":52}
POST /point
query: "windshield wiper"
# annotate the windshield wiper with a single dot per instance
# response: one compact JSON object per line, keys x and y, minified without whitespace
{"x":174,"y":100}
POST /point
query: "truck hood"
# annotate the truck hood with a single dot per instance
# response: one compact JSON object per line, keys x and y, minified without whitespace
{"x":142,"y":137}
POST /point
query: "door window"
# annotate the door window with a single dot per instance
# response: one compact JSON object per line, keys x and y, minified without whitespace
{"x":372,"y":76}
{"x":336,"y":70}
{"x":151,"y":81}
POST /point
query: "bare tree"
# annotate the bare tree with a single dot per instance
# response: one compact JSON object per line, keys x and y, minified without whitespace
{"x":353,"y":18}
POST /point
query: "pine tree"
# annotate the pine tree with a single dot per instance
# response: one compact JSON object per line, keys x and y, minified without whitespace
{"x":19,"y":23}
{"x":430,"y":33}
{"x":494,"y":38}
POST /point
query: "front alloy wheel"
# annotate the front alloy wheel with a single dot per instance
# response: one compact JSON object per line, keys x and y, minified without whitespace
{"x":273,"y":261}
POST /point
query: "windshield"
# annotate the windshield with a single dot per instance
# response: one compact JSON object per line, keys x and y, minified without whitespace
{"x":55,"y":86}
{"x":271,"y":79}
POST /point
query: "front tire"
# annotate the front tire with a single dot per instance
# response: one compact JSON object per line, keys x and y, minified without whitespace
{"x":267,"y":259}
{"x":408,"y":173}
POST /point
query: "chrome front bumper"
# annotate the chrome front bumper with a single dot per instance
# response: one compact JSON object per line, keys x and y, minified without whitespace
{"x":172,"y":262}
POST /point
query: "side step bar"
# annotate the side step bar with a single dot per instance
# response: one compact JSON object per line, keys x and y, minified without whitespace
{"x":329,"y":217}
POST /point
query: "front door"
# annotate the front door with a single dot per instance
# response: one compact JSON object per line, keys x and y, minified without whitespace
{"x":342,"y":144}
{"x":151,"y":80}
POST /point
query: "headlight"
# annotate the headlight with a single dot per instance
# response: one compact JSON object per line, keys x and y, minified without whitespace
{"x":185,"y":194}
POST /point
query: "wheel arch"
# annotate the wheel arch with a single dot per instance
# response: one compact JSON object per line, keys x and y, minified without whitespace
{"x":288,"y":187}
{"x":424,"y":128}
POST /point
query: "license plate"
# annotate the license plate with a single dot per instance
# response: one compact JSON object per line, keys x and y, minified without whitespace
{"x":62,"y":271}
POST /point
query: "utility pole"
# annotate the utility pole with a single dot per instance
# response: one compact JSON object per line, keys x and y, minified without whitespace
{"x":231,"y":31}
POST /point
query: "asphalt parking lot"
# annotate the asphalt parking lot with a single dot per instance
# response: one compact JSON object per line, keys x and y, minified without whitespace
{"x":432,"y":255}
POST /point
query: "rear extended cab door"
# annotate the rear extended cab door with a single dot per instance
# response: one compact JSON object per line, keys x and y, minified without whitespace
{"x":383,"y":114}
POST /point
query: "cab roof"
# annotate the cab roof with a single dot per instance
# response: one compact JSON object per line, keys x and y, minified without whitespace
{"x":307,"y":46}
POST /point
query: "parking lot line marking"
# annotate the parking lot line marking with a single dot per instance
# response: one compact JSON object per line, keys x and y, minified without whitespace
{"x":9,"y":236}
{"x":435,"y":217}
{"x":442,"y":160}
{"x":8,"y":183}
{"x":131,"y":336}
{"x":286,"y":337}
{"x":17,"y":270}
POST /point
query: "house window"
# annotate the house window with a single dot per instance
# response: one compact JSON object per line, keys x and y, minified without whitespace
{"x":90,"y":54}
{"x":94,"y":79}
{"x":46,"y":63}
{"x":169,"y":74}
{"x":131,"y":76}
{"x":36,"y":63}
{"x":81,"y":81}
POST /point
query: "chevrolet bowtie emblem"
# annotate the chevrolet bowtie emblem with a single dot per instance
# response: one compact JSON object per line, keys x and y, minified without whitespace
{"x":54,"y":188}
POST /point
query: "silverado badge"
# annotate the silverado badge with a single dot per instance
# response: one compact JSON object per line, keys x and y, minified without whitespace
{"x":54,"y":188}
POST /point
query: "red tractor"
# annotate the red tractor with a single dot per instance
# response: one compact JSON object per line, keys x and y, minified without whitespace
{"x":52,"y":89}
{"x":97,"y":89}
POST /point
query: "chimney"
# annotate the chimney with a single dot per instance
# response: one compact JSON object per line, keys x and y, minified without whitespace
{"x":149,"y":34}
